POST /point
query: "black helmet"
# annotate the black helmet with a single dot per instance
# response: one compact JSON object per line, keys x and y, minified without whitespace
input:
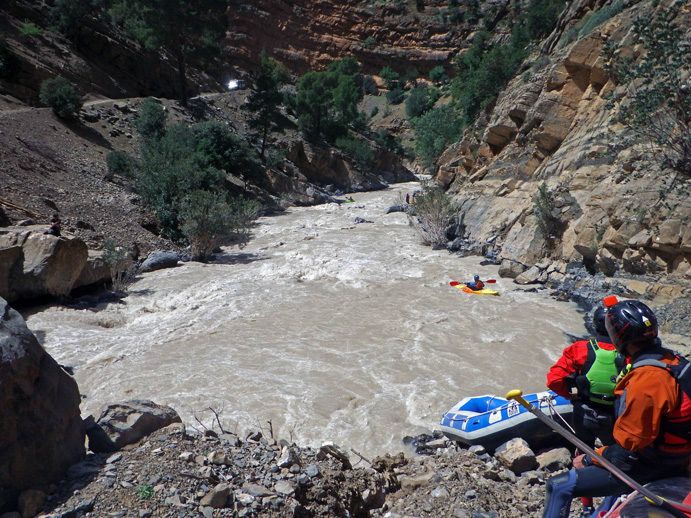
{"x":599,"y":321}
{"x":477,"y":277}
{"x":630,"y":322}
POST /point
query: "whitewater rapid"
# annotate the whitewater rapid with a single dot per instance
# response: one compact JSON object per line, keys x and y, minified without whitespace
{"x":328,"y":329}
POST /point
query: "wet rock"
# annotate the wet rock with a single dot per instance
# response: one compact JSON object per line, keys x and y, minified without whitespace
{"x":159,"y":260}
{"x":39,"y":404}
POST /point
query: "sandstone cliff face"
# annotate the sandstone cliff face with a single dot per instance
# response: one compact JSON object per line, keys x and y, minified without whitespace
{"x":306,"y":34}
{"x":617,"y":209}
{"x":41,"y":432}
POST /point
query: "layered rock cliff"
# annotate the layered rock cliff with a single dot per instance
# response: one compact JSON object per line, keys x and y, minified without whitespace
{"x":615,"y":207}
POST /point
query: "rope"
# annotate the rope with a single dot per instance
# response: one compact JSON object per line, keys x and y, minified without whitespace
{"x":552,"y":412}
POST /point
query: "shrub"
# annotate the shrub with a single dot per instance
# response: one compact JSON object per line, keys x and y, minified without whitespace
{"x":30,"y":29}
{"x":121,"y":163}
{"x":438,"y":75}
{"x":389,"y":76}
{"x":420,"y":100}
{"x":434,"y":211}
{"x":547,"y":222}
{"x":657,"y":102}
{"x":62,"y":98}
{"x":601,"y":16}
{"x":209,"y":221}
{"x":395,"y":96}
{"x":122,"y":270}
{"x":151,"y":122}
{"x":369,"y":43}
{"x":434,"y":131}
{"x":357,"y":149}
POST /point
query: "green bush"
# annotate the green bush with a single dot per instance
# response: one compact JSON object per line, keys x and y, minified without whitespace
{"x":62,"y":98}
{"x":30,"y":29}
{"x":209,"y":221}
{"x":122,"y":270}
{"x":395,"y":96}
{"x":548,"y":223}
{"x":657,"y":102}
{"x":601,"y":16}
{"x":420,"y":100}
{"x":357,"y":149}
{"x":120,"y":162}
{"x":434,"y":211}
{"x":434,"y":131}
{"x":438,"y":75}
{"x":389,"y":76}
{"x":187,"y":159}
{"x":151,"y":122}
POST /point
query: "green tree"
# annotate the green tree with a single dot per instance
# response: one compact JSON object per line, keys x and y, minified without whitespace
{"x":151,"y":121}
{"x":74,"y":17}
{"x":209,"y":221}
{"x":326,"y":102}
{"x":657,"y":104}
{"x":390,"y":77}
{"x":265,"y":100}
{"x":62,"y":97}
{"x":438,"y":75}
{"x":420,"y":100}
{"x":313,"y":100}
{"x":178,"y":25}
{"x":434,"y":131}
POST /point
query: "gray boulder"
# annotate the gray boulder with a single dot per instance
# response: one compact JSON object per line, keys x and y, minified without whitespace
{"x":41,"y":432}
{"x":126,"y":423}
{"x":35,"y":264}
{"x":159,"y":260}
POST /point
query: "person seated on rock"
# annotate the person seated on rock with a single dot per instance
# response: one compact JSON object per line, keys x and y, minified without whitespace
{"x":476,"y":285}
{"x":54,"y":229}
{"x":652,"y":430}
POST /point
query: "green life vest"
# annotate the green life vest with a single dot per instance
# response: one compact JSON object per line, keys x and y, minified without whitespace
{"x":602,"y":373}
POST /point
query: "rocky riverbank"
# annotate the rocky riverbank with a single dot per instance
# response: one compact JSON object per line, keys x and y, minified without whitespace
{"x":183,"y":473}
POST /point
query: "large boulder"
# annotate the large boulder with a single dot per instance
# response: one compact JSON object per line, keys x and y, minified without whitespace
{"x":126,"y":423}
{"x":41,"y":432}
{"x":36,"y":264}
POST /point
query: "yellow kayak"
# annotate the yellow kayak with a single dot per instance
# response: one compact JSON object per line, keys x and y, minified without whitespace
{"x":484,"y":291}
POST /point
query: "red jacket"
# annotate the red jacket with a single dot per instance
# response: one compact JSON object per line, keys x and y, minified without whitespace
{"x":571,"y":363}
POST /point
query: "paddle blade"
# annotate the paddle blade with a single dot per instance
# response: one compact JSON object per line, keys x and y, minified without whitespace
{"x":490,"y":281}
{"x":454,"y":283}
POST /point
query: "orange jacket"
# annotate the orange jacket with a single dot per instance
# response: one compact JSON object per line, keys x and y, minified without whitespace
{"x":647,"y":394}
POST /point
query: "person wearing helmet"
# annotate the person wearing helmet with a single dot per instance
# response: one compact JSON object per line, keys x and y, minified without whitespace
{"x":652,"y":430}
{"x":586,"y":374}
{"x":476,"y":285}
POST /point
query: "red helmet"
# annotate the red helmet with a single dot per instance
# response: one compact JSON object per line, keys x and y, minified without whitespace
{"x":630,"y":322}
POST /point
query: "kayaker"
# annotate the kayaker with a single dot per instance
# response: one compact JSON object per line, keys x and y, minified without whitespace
{"x":476,"y":285}
{"x":652,"y":430}
{"x":586,"y":374}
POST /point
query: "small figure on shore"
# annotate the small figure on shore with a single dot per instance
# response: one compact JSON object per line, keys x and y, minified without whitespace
{"x":55,"y":223}
{"x":476,"y":285}
{"x":407,"y":197}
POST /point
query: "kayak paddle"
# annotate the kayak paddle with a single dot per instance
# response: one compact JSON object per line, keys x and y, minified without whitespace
{"x":675,"y":509}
